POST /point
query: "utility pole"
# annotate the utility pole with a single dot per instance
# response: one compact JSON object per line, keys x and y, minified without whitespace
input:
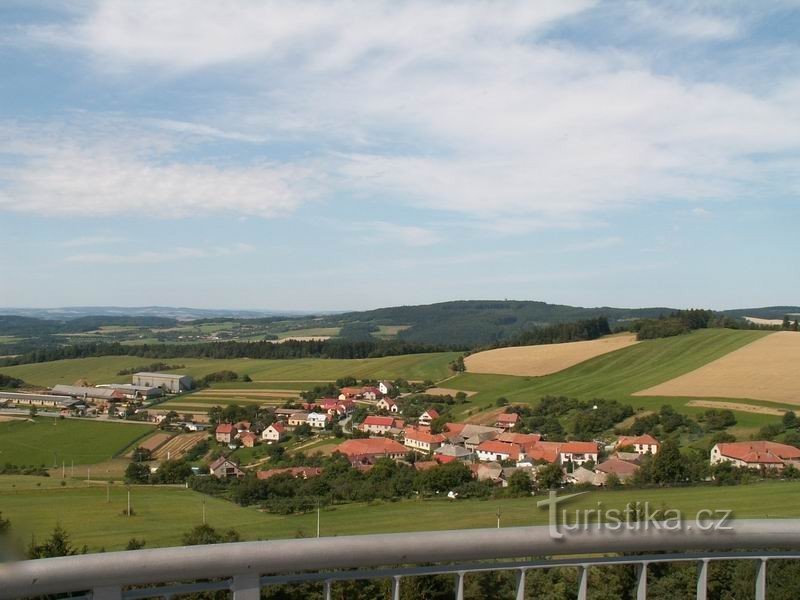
{"x":63,"y":470}
{"x":318,"y":517}
{"x":498,"y":517}
{"x":204,"y":511}
{"x":129,"y":502}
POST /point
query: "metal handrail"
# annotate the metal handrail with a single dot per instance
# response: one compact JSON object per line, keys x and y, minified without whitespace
{"x":247,"y":562}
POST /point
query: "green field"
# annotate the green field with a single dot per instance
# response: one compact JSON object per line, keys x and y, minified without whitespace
{"x":104,"y":369}
{"x":48,"y":442}
{"x":619,"y":374}
{"x":163,"y":514}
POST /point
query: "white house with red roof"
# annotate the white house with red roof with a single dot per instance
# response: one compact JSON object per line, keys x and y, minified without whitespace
{"x":376,"y":424}
{"x":494,"y":451}
{"x":274,"y":433}
{"x":507,"y":420}
{"x":248,"y":439}
{"x":756,"y":455}
{"x":428,"y":416}
{"x":578,"y":452}
{"x":422,"y":440}
{"x":388,"y":404}
{"x":224,"y":433}
{"x":641,"y":444}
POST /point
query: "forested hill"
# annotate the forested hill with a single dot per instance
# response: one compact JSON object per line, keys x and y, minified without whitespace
{"x":478,"y":322}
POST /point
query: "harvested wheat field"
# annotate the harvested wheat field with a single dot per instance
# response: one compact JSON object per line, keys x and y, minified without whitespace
{"x":766,"y":369}
{"x":545,"y":359}
{"x":442,"y":391}
{"x":180,"y":445}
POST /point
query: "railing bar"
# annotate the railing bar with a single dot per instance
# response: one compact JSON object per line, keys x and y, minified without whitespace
{"x":396,"y":587}
{"x":173,"y":590}
{"x":583,"y":583}
{"x":702,"y":580}
{"x":761,"y":580}
{"x":460,"y":585}
{"x":641,"y":581}
{"x":520,"y":585}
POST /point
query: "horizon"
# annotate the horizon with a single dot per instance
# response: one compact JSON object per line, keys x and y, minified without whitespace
{"x":318,"y":159}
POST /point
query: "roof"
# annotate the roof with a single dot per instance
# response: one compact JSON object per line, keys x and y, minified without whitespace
{"x":421,"y":435}
{"x":496,"y":447}
{"x":617,"y":467}
{"x":379,"y":421}
{"x":224,"y":428}
{"x":298,"y":415}
{"x":579,"y":448}
{"x":352,"y":391}
{"x":91,"y":392}
{"x":248,"y":435}
{"x":63,"y":400}
{"x":524,"y":439}
{"x":432,"y":413}
{"x":314,"y":416}
{"x":546,"y":451}
{"x":507,"y":418}
{"x":370,"y":446}
{"x":632,"y":440}
{"x":759,"y":452}
{"x":452,"y":450}
{"x":221,"y":461}
{"x":277,"y":427}
{"x":161,"y":375}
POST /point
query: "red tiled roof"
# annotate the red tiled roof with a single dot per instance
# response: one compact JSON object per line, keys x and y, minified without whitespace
{"x":370,"y":446}
{"x":278,"y":427}
{"x":524,"y":439}
{"x":379,"y":421}
{"x":579,"y":448}
{"x":422,"y":435}
{"x":618,"y":467}
{"x":546,"y":451}
{"x":508,"y":418}
{"x":632,"y":440}
{"x":432,"y":413}
{"x":248,"y":435}
{"x":759,"y":452}
{"x":224,"y":428}
{"x":454,"y":428}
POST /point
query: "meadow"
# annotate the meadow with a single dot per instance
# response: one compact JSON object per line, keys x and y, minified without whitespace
{"x":48,"y":442}
{"x":163,"y":514}
{"x":432,"y":366}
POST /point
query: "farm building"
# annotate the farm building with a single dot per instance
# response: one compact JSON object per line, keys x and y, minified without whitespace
{"x":223,"y":468}
{"x":756,"y":455}
{"x":641,"y":444}
{"x":166,"y":381}
{"x":88,"y":393}
{"x":134,"y":392}
{"x":367,"y":451}
{"x":41,"y":400}
{"x":422,"y":440}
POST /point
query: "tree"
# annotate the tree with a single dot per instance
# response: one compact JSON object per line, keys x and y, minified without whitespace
{"x":135,"y":544}
{"x":142,"y":454}
{"x":550,"y":477}
{"x":246,"y":378}
{"x":5,"y":525}
{"x":137,"y":473}
{"x":789,"y":419}
{"x":668,"y":465}
{"x":205,"y":534}
{"x":520,"y":483}
{"x":58,"y":544}
{"x":785,"y":324}
{"x":613,"y":481}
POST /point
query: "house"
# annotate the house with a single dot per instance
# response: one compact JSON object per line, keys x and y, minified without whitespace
{"x":223,"y":468}
{"x":274,"y":433}
{"x":371,"y":393}
{"x":242,"y":426}
{"x":350,"y":392}
{"x":388,"y":404}
{"x":248,"y":439}
{"x":507,"y":420}
{"x":297,"y":418}
{"x":622,"y":469}
{"x":296,"y":472}
{"x":470,"y":435}
{"x":284,"y":413}
{"x":428,"y":416}
{"x":318,"y":420}
{"x":581,"y":475}
{"x":756,"y":455}
{"x":376,"y":424}
{"x":385,"y":387}
{"x":447,"y":453}
{"x":224,"y":433}
{"x":422,"y":440}
{"x":367,"y":451}
{"x":578,"y":452}
{"x":641,"y":444}
{"x":523,"y":439}
{"x":491,"y":471}
{"x":544,"y":452}
{"x":494,"y":451}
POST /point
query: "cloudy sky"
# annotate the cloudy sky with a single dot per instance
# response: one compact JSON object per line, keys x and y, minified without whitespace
{"x":343,"y":155}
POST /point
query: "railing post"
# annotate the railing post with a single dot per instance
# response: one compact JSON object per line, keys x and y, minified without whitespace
{"x":641,"y":581}
{"x":327,"y":589}
{"x":761,"y":580}
{"x":460,"y":585}
{"x":583,"y":583}
{"x":111,"y":592}
{"x":396,"y":587}
{"x":246,"y":587}
{"x":702,"y":580}
{"x":520,"y":585}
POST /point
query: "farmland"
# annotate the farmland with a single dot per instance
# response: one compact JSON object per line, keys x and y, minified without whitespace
{"x":104,"y":369}
{"x":543,"y":359}
{"x":163,"y":514}
{"x":48,"y":442}
{"x":767,"y":369}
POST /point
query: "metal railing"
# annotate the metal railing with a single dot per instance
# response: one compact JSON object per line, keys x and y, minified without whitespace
{"x":245,"y":568}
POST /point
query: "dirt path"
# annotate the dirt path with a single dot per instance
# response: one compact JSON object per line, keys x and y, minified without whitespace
{"x":740,"y":406}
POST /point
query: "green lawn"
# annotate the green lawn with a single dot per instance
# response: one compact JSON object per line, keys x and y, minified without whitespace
{"x":104,"y":369}
{"x":48,"y":442}
{"x":164,"y":514}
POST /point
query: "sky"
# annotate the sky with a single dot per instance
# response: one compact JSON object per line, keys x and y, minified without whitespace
{"x":335,"y":155}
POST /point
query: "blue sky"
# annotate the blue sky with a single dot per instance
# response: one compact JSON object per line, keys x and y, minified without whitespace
{"x":345,"y":155}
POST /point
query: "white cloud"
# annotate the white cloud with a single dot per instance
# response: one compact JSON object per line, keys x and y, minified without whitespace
{"x":460,"y":107}
{"x":162,"y":256}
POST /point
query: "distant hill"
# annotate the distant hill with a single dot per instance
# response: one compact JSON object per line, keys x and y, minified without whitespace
{"x":767,"y":312}
{"x":179,"y":313}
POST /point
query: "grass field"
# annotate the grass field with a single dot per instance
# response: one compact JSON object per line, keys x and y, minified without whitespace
{"x":104,"y":369}
{"x":163,"y":514}
{"x":543,"y":359}
{"x":767,"y":369}
{"x":48,"y":442}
